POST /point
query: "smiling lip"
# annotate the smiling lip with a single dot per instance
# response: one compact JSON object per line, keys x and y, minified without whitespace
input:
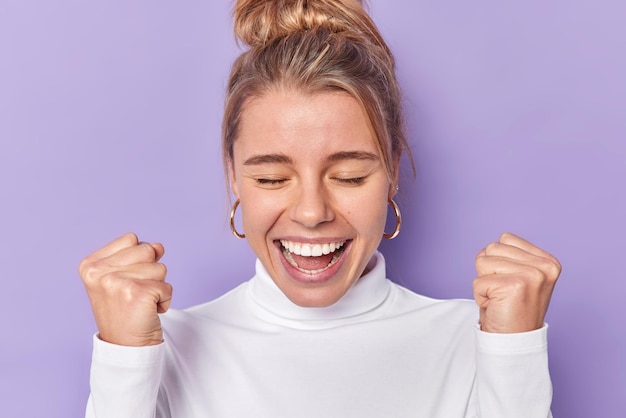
{"x":326,"y":256}
{"x":311,"y":249}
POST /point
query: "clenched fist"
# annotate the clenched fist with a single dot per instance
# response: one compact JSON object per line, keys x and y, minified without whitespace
{"x":127,"y":290}
{"x":514,"y":285}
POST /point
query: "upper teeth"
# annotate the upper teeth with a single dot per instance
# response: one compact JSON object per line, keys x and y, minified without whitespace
{"x":311,"y":250}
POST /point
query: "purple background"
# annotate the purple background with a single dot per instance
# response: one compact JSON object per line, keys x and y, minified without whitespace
{"x":110,"y":122}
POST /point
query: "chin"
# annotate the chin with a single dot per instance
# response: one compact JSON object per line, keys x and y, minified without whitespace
{"x":313,"y":298}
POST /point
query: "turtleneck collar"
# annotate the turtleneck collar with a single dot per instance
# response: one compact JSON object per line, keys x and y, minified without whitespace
{"x":367,"y":294}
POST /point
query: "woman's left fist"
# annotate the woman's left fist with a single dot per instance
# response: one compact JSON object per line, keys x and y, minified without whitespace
{"x":514,"y":285}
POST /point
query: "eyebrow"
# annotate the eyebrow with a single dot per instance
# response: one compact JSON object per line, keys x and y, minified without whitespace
{"x":351,"y":155}
{"x":268,"y":159}
{"x":333,"y":158}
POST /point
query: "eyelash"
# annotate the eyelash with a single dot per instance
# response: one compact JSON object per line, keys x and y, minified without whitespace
{"x":353,"y":181}
{"x":270,"y":182}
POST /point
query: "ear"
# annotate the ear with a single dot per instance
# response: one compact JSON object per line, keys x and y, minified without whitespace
{"x":232,"y":179}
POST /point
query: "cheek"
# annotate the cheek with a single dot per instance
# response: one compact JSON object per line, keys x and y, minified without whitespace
{"x":259,"y":212}
{"x":368,"y":213}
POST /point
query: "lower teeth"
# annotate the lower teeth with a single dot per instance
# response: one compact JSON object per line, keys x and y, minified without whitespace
{"x":291,"y":261}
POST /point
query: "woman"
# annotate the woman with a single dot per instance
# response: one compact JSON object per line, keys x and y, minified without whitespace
{"x":312,"y":142}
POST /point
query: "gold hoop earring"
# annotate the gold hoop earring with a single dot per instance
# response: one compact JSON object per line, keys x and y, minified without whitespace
{"x":396,"y":231}
{"x":232,"y":221}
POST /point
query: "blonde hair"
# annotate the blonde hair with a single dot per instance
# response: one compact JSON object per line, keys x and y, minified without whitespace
{"x":314,"y":46}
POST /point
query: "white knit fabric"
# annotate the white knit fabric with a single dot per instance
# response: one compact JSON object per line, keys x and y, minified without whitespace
{"x":380,"y":351}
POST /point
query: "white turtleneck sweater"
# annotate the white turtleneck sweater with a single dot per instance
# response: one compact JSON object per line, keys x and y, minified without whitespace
{"x":381,"y":351}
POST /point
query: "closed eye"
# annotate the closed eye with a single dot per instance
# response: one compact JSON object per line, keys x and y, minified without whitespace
{"x":352,"y":180}
{"x":270,"y":182}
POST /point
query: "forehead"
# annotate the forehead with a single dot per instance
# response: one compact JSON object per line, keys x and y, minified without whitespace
{"x":303,"y":125}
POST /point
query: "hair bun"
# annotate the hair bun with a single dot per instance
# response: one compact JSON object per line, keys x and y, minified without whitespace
{"x":259,"y":21}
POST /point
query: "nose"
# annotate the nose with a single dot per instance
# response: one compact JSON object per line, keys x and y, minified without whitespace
{"x":311,"y":206}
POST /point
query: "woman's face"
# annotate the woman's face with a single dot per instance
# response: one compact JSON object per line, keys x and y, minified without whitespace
{"x":313,"y":191}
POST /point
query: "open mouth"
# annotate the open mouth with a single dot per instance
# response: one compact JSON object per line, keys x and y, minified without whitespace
{"x":312,"y":258}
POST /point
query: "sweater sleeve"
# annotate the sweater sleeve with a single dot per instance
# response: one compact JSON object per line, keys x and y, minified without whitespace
{"x":124,"y":380}
{"x":513,"y":379}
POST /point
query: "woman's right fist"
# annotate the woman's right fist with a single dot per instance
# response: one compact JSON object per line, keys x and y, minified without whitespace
{"x":127,"y":290}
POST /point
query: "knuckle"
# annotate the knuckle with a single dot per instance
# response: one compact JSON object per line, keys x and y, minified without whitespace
{"x":555,"y":268}
{"x":132,"y":290}
{"x":481,"y":263}
{"x":147,"y":251}
{"x":169,"y":289}
{"x":518,"y":284}
{"x":120,"y":288}
{"x":90,"y":271}
{"x":162,"y":269}
{"x":109,"y":282}
{"x":131,"y":238}
{"x":534,"y":277}
{"x":505,"y":236}
{"x":491,"y":247}
{"x":550,"y":269}
{"x":82,"y":266}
